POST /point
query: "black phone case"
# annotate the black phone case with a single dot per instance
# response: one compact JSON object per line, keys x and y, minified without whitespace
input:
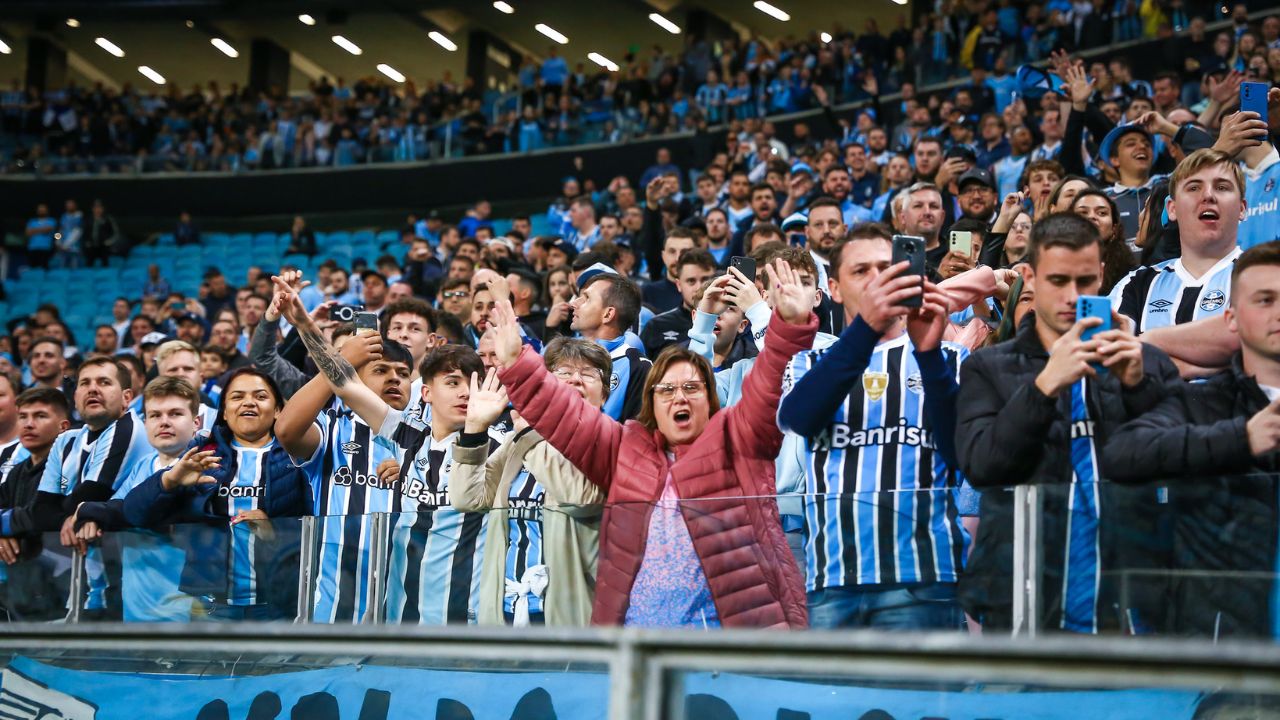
{"x":910,"y":249}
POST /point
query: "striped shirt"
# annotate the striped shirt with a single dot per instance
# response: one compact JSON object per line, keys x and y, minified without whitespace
{"x":11,"y":453}
{"x":1156,"y":296}
{"x":436,"y":551}
{"x":150,"y":563}
{"x":1082,"y":575}
{"x":630,"y":368}
{"x":880,"y":502}
{"x":244,"y":493}
{"x":343,"y":473}
{"x":524,"y":537}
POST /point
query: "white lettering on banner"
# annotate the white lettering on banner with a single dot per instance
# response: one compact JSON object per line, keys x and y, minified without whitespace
{"x":241,"y":491}
{"x":1081,"y":429}
{"x":841,"y":435}
{"x":1262,"y":208}
{"x":421,"y":492}
{"x":344,"y":477}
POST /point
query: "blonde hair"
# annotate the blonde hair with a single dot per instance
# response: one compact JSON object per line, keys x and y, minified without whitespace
{"x":172,"y":347}
{"x":1199,"y":160}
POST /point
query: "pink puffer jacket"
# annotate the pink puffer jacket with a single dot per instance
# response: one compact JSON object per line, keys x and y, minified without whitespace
{"x":725,"y":479}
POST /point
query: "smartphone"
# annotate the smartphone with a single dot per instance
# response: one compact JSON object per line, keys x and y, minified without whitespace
{"x":911,"y":249}
{"x":366,"y":321}
{"x":178,"y":306}
{"x":1098,"y":306}
{"x":1253,"y":97}
{"x":744,"y":265}
{"x":961,"y":242}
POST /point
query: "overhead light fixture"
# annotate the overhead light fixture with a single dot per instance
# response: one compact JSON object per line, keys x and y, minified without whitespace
{"x":825,"y":37}
{"x":602,"y":61}
{"x":191,"y":24}
{"x":4,"y":48}
{"x":73,"y":23}
{"x":552,"y":33}
{"x":151,"y":75}
{"x":109,"y":46}
{"x":900,"y":2}
{"x":347,"y":45}
{"x":225,"y":47}
{"x":664,"y":23}
{"x":306,"y":19}
{"x":503,"y":7}
{"x":442,"y":41}
{"x":391,"y":72}
{"x":771,"y":11}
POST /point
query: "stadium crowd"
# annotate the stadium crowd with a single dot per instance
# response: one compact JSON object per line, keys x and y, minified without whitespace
{"x":339,"y":123}
{"x":730,"y":402}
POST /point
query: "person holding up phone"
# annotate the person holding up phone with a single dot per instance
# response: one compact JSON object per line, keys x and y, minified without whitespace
{"x":1036,"y":410}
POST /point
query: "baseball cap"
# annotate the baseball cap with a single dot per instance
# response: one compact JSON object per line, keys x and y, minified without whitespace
{"x":566,"y":247}
{"x":964,"y":152}
{"x":190,"y":317}
{"x":153,"y":338}
{"x":503,"y":241}
{"x":594,"y":270}
{"x":977,"y":175}
{"x":795,"y":221}
{"x":1109,"y":142}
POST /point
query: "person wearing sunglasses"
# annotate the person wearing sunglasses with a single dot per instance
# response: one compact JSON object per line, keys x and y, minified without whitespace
{"x":683,"y":481}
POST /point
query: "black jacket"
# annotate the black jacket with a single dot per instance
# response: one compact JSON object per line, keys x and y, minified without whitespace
{"x":18,"y":494}
{"x":1225,"y":507}
{"x":668,"y":328}
{"x":1009,"y":433}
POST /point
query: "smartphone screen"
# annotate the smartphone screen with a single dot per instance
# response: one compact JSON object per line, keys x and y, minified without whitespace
{"x":1253,"y":97}
{"x":1098,"y":306}
{"x":366,"y":321}
{"x":961,"y":242}
{"x":910,"y":248}
{"x":744,"y":265}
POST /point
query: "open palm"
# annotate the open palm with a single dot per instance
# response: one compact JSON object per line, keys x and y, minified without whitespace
{"x":487,"y":401}
{"x":791,"y":298}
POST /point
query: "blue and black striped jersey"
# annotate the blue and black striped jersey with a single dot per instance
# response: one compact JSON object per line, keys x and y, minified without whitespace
{"x":1165,"y":294}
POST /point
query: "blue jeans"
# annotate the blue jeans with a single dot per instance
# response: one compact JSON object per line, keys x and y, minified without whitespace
{"x":887,"y":607}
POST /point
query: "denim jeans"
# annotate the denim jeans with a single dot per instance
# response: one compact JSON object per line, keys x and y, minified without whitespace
{"x":887,"y":607}
{"x":206,"y":610}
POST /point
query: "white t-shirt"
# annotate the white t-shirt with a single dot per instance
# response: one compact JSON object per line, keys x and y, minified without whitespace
{"x":1271,"y":392}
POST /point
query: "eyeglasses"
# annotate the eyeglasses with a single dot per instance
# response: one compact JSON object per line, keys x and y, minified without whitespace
{"x":690,"y":388}
{"x":587,"y":375}
{"x":1022,"y":227}
{"x":456,"y":294}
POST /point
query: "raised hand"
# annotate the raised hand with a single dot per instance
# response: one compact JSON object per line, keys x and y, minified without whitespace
{"x":880,"y":305}
{"x":506,"y":332}
{"x":1079,"y":86}
{"x":740,"y":291}
{"x":1226,"y":91}
{"x":1156,"y":124}
{"x":1241,"y":131}
{"x":791,"y":297}
{"x":487,"y":401}
{"x":927,"y":323}
{"x":287,"y":300}
{"x":362,"y":349}
{"x":1009,"y":210}
{"x":713,"y":302}
{"x":1060,"y":63}
{"x":190,"y":470}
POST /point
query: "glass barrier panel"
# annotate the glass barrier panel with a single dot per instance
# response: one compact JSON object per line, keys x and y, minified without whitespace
{"x":35,"y":587}
{"x":214,"y":572}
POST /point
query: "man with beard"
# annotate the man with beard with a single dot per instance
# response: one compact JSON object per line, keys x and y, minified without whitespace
{"x":826,"y":228}
{"x":717,"y":222}
{"x":977,"y":193}
{"x":918,"y":211}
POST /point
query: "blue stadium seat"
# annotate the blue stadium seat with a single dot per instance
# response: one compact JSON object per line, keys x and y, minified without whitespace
{"x":165,"y":239}
{"x":31,"y":273}
{"x":386,"y":238}
{"x":363,"y":237}
{"x":539,"y":225}
{"x":264,"y":239}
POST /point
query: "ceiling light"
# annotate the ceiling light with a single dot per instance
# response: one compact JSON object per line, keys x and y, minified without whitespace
{"x":73,"y":23}
{"x":306,"y":19}
{"x":347,"y":45}
{"x":391,"y":72}
{"x":824,"y":37}
{"x":771,"y":11}
{"x":225,"y":47}
{"x":664,"y":23}
{"x":900,"y":2}
{"x":4,"y":48}
{"x":190,"y":24}
{"x":552,"y":33}
{"x":503,"y":7}
{"x":442,"y":41}
{"x":152,"y":75}
{"x":602,"y":61}
{"x":109,"y":46}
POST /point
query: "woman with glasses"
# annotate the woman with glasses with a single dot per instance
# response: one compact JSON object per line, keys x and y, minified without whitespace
{"x":540,"y":554}
{"x":690,"y":535}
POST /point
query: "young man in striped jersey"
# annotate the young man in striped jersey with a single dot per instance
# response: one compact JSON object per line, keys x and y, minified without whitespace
{"x":412,"y":323}
{"x":883,"y":541}
{"x":181,"y":359}
{"x":1206,"y":199}
{"x":436,"y":551}
{"x":1036,"y":410}
{"x":352,"y":471}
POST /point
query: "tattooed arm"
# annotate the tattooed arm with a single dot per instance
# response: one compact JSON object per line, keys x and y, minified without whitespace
{"x":337,"y":368}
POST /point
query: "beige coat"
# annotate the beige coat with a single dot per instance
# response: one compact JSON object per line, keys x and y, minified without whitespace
{"x":570,"y":523}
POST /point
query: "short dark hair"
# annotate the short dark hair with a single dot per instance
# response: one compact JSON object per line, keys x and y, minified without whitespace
{"x":972,"y":225}
{"x":858,"y":233}
{"x":1266,"y":254}
{"x":411,"y":305}
{"x":1064,"y":229}
{"x":122,"y":372}
{"x":452,"y":283}
{"x":393,"y":351}
{"x":47,"y":339}
{"x":761,"y":187}
{"x":681,"y":231}
{"x":623,"y":296}
{"x":761,"y":229}
{"x":52,"y":397}
{"x":824,"y":201}
{"x":696,"y":256}
{"x":166,"y":386}
{"x":447,"y":358}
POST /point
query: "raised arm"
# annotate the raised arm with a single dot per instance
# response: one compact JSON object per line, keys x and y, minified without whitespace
{"x":473,"y":484}
{"x":337,"y":370}
{"x":587,"y":437}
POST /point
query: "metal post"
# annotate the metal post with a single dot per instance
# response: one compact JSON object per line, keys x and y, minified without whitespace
{"x":307,"y":568}
{"x":1026,"y":560}
{"x":380,"y":531}
{"x":77,"y":592}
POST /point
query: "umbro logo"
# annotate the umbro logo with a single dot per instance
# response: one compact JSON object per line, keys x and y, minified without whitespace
{"x":422,"y":462}
{"x":671,"y":336}
{"x":1159,"y":306}
{"x":351,"y":447}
